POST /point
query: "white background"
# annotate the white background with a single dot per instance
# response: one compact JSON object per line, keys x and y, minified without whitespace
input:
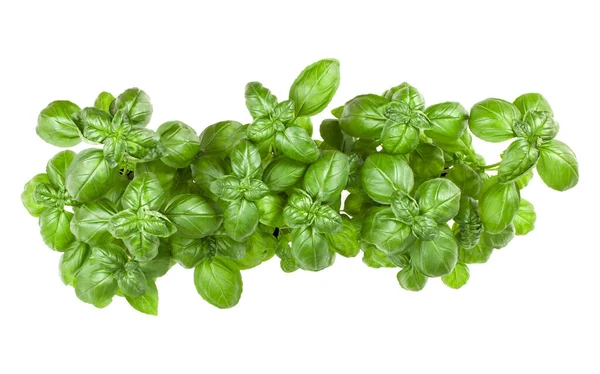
{"x":533,"y":308}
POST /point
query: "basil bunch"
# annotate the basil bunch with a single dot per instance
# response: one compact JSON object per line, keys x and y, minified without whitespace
{"x":391,"y":176}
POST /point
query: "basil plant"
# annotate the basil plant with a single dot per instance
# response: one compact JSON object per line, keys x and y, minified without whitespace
{"x":391,"y":177}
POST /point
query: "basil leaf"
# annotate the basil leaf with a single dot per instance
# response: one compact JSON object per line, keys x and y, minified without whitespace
{"x":103,"y":101}
{"x":411,"y":279}
{"x":215,"y":139}
{"x":132,"y":280}
{"x":326,"y":178}
{"x":160,"y":264}
{"x":458,"y":277}
{"x":123,"y":224}
{"x":376,"y":259}
{"x":492,"y":120}
{"x":520,"y":157}
{"x":398,"y":138}
{"x":524,"y":221}
{"x":283,"y":173}
{"x":425,"y":228}
{"x":542,"y":124}
{"x":315,"y":86}
{"x":142,"y":246}
{"x":500,"y":239}
{"x":346,"y":241}
{"x":327,"y":220}
{"x":110,"y":256}
{"x":219,"y":282}
{"x":436,"y":257}
{"x":148,"y":302}
{"x":144,"y":191}
{"x":498,"y":205}
{"x":332,"y":134}
{"x":295,"y":143}
{"x":72,"y":260}
{"x":407,"y":94}
{"x":438,"y":199}
{"x":427,"y":161}
{"x":137,"y":105}
{"x":96,"y":124}
{"x":256,"y":189}
{"x":229,"y":248}
{"x":56,"y":124}
{"x":188,"y":252}
{"x":164,"y":173}
{"x":240,"y":219}
{"x":259,"y":100}
{"x":245,"y":160}
{"x":405,"y":208}
{"x":56,"y":169}
{"x":34,"y":208}
{"x":383,"y":174}
{"x":381,"y":228}
{"x":180,"y":144}
{"x":310,"y":249}
{"x":557,"y":166}
{"x":193,"y":216}
{"x":469,"y":223}
{"x":96,"y":285}
{"x":258,"y":247}
{"x":479,"y":254}
{"x":364,"y":116}
{"x":466,"y":179}
{"x":449,"y":120}
{"x":297,"y":211}
{"x":532,"y":102}
{"x":90,"y":222}
{"x":270,"y":209}
{"x":89,"y":176}
{"x":55,"y":228}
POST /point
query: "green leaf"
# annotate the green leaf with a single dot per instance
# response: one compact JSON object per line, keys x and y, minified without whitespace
{"x":219,"y":281}
{"x":298,"y":210}
{"x":479,"y":254}
{"x":89,"y":176}
{"x":56,"y":124}
{"x":310,"y":249}
{"x":332,"y":134}
{"x":56,"y":169}
{"x":188,"y":252}
{"x":542,"y":124}
{"x":245,"y":160}
{"x":524,"y":221}
{"x":34,"y":208}
{"x":215,"y":139}
{"x":45,"y":194}
{"x":164,"y":173}
{"x":160,"y":264}
{"x":405,"y":208}
{"x":500,"y":239}
{"x":498,"y":205}
{"x":110,"y":256}
{"x":283,"y":173}
{"x":327,"y":220}
{"x":137,"y":105}
{"x":449,"y":119}
{"x":148,"y":302}
{"x":356,"y":203}
{"x":255,"y":189}
{"x":466,"y":179}
{"x":337,"y":112}
{"x":425,"y":228}
{"x":229,"y":248}
{"x":72,"y":261}
{"x":383,"y":174}
{"x":427,"y":161}
{"x":458,"y":277}
{"x":142,"y":145}
{"x":469,"y":223}
{"x":438,"y":199}
{"x":180,"y":144}
{"x":55,"y":228}
{"x":193,"y":216}
{"x":532,"y":102}
{"x":411,"y":279}
{"x":492,"y":120}
{"x":315,"y":86}
{"x":132,"y":282}
{"x":364,"y":116}
{"x":155,"y":223}
{"x":295,"y":143}
{"x":96,"y":285}
{"x":240,"y":219}
{"x":305,"y":123}
{"x":97,"y":124}
{"x":142,"y":246}
{"x":376,"y":259}
{"x":259,"y":100}
{"x":262,"y":130}
{"x":103,"y":101}
{"x":346,"y":241}
{"x":407,"y":94}
{"x":228,"y":188}
{"x":123,"y":224}
{"x":398,"y":138}
{"x":326,"y":178}
{"x":90,"y":223}
{"x":258,"y":247}
{"x":520,"y":157}
{"x":144,"y":191}
{"x":381,"y":228}
{"x":436,"y":257}
{"x":270,"y":209}
{"x":557,"y":166}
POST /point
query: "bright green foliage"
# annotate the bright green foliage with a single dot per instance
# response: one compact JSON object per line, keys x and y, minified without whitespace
{"x":388,"y":178}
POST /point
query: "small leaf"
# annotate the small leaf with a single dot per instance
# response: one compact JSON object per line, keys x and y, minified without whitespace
{"x":558,"y":166}
{"x":458,"y":277}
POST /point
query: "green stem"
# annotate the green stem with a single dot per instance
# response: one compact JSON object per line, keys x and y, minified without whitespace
{"x":492,"y":166}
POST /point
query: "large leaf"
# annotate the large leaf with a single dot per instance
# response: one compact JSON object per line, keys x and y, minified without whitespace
{"x":259,"y":100}
{"x":315,"y":86}
{"x":89,"y":176}
{"x":193,"y":215}
{"x":558,"y":166}
{"x":219,"y":282}
{"x":384,"y":174}
{"x":449,"y":119}
{"x":90,"y":222}
{"x":148,"y":302}
{"x":144,"y":191}
{"x":310,"y":249}
{"x":492,"y":120}
{"x":436,"y":257}
{"x":498,"y":205}
{"x":438,"y":199}
{"x":524,"y":221}
{"x":55,"y":228}
{"x":326,"y":178}
{"x":137,"y":105}
{"x":180,"y":144}
{"x":56,"y":124}
{"x":520,"y":157}
{"x":364,"y":117}
{"x":295,"y":143}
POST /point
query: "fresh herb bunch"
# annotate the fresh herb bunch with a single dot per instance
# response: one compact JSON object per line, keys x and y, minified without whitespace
{"x":419,"y":197}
